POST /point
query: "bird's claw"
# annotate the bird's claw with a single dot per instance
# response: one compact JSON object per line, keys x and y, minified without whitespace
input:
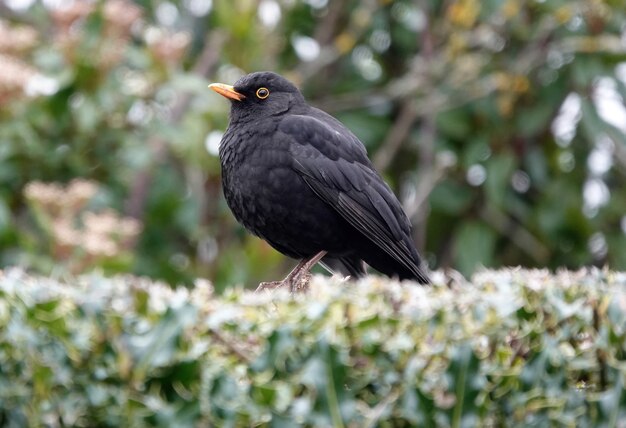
{"x":296,"y":283}
{"x":300,"y":282}
{"x":270,"y":285}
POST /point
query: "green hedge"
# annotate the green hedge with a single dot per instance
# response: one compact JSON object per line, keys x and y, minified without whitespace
{"x":509,"y":348}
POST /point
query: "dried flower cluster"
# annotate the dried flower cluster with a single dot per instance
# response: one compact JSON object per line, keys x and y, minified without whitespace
{"x":61,"y":201}
{"x":16,"y":39}
{"x":167,"y":47}
{"x":79,"y":237}
{"x":118,"y":19}
{"x":119,"y":16}
{"x":15,"y":73}
{"x":65,"y":15}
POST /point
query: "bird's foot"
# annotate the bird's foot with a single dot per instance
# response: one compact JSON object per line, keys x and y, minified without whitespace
{"x":300,"y":282}
{"x":298,"y":279}
{"x":296,"y":283}
{"x":269,"y":285}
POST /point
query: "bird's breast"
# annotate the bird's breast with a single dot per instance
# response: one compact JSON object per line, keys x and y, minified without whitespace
{"x":269,"y":197}
{"x":259,"y":182}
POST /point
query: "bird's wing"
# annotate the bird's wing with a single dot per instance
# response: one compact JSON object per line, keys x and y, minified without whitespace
{"x":334,"y":163}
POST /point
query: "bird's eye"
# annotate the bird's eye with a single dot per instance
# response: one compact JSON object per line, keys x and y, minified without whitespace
{"x":262,"y":93}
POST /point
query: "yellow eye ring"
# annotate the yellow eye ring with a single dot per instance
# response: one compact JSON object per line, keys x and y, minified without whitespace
{"x":262,"y":93}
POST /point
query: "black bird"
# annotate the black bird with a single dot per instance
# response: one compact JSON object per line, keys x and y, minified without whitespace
{"x":298,"y":178}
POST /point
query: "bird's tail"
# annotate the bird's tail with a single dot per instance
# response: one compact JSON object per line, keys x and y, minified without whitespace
{"x":345,"y":266}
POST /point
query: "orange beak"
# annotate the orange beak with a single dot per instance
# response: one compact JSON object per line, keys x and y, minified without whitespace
{"x":227,"y":91}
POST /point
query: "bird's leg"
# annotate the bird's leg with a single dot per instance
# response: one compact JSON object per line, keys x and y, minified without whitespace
{"x":298,"y":278}
{"x":301,"y":275}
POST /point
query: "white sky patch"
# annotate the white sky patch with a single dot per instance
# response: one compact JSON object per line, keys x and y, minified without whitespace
{"x":446,"y":159}
{"x":371,"y":70}
{"x":362,"y":53}
{"x":476,"y":175}
{"x":380,"y":40}
{"x":565,"y":123}
{"x":520,"y":181}
{"x":152,"y":34}
{"x":199,"y":8}
{"x":139,"y":113}
{"x":134,"y":83}
{"x":56,"y":4}
{"x":600,"y":159}
{"x":269,"y":13}
{"x":306,"y":48}
{"x":167,"y":14}
{"x":19,"y":5}
{"x":41,"y":85}
{"x":212,"y":142}
{"x":413,"y":18}
{"x":76,"y":100}
{"x":208,"y":249}
{"x":597,"y":245}
{"x":609,"y":103}
{"x":566,"y":161}
{"x":596,"y":194}
{"x":317,"y":4}
{"x":620,"y":71}
{"x":363,"y":59}
{"x":229,"y":73}
{"x":575,"y":23}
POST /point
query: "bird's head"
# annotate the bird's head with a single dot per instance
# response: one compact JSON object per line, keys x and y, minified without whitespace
{"x":259,"y":95}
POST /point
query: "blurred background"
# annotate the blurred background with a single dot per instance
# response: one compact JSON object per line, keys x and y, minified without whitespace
{"x":500,"y":124}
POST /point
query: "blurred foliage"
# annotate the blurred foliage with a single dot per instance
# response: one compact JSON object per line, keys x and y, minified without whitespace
{"x":512,"y":348}
{"x":500,"y":123}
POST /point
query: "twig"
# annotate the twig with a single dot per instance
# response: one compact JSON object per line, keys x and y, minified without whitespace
{"x":427,"y":177}
{"x":521,"y":237}
{"x":231,"y":346}
{"x":415,"y":81}
{"x":407,"y":86}
{"x":396,"y":135}
{"x":327,"y":28}
{"x":360,"y":19}
{"x":206,"y":61}
{"x":379,"y":409}
{"x":424,"y":188}
{"x":599,"y":353}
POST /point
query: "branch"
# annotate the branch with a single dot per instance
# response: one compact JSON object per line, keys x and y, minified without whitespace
{"x":396,"y":135}
{"x":521,"y":237}
{"x":230,"y":346}
{"x":428,"y":176}
{"x":331,"y":49}
{"x":416,"y":81}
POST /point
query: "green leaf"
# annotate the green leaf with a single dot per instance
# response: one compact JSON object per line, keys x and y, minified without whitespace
{"x":158,"y":346}
{"x":450,"y":197}
{"x":499,"y":170}
{"x":454,"y":123}
{"x":466,"y":383}
{"x":474,"y":246}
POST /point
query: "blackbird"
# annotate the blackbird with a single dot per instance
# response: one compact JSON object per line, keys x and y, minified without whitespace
{"x":299,"y":179}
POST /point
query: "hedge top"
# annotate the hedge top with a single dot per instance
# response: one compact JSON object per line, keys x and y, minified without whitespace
{"x":515,"y":346}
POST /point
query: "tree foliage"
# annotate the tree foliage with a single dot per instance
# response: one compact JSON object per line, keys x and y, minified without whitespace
{"x":501,"y":124}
